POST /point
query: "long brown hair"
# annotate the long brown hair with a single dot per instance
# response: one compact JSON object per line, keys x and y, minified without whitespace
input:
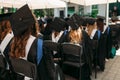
{"x":90,"y":28}
{"x":75,"y":36}
{"x":5,"y":28}
{"x":19,"y":43}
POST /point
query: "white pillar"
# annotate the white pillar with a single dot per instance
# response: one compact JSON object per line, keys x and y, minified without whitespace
{"x":66,"y":10}
{"x":107,"y":13}
{"x":102,"y":10}
{"x":56,"y":12}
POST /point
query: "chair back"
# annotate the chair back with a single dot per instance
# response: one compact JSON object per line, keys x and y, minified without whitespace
{"x":21,"y":66}
{"x":72,"y":56}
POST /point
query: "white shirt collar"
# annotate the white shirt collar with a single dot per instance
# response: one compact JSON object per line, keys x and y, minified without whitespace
{"x":105,"y":27}
{"x":56,"y":39}
{"x":28,"y":46}
{"x":93,"y":33}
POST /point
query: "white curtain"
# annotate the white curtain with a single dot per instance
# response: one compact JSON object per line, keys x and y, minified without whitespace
{"x":33,"y":4}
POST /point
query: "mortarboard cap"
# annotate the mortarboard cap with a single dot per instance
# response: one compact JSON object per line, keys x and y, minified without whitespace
{"x":58,"y":24}
{"x":84,"y":21}
{"x":49,"y":20}
{"x":73,"y":25}
{"x":100,"y":18}
{"x":90,"y":21}
{"x":77,"y":19}
{"x":5,"y":16}
{"x":74,"y":21}
{"x":21,"y":20}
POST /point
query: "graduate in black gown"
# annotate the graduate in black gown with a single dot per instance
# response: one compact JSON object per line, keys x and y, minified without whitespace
{"x":6,"y":35}
{"x":106,"y":31}
{"x":40,"y":26}
{"x":25,"y":43}
{"x":47,"y":29}
{"x":75,"y":23}
{"x":97,"y":43}
{"x":5,"y":27}
{"x":58,"y":34}
{"x":58,"y":30}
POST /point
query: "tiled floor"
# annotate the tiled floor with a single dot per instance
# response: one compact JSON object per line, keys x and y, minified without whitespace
{"x":111,"y":72}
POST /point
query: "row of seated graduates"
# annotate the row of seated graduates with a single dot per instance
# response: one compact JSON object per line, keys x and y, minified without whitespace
{"x":24,"y":53}
{"x":74,"y":22}
{"x":96,"y":44}
{"x":77,"y":36}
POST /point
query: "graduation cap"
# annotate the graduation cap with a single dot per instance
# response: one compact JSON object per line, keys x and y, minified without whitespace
{"x":91,"y":21}
{"x":49,"y":20}
{"x":75,"y":21}
{"x":58,"y":24}
{"x":21,"y":20}
{"x":100,"y":18}
{"x":5,"y":16}
{"x":84,"y":21}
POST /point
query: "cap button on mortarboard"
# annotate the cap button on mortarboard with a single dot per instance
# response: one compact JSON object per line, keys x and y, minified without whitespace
{"x":20,"y":19}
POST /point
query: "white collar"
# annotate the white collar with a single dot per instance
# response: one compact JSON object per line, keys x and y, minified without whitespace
{"x":105,"y":27}
{"x":6,"y":41}
{"x":93,"y":33}
{"x":28,"y":46}
{"x":55,"y":39}
{"x":40,"y":34}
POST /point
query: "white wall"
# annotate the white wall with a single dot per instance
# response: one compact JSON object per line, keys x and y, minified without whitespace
{"x":87,"y":9}
{"x":74,"y":5}
{"x":56,"y":12}
{"x":102,"y":10}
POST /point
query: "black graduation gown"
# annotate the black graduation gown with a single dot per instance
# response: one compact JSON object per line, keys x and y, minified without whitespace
{"x":107,"y":34}
{"x":47,"y":32}
{"x":3,"y":61}
{"x":86,"y":57}
{"x":99,"y":51}
{"x":115,"y":31}
{"x":42,"y":68}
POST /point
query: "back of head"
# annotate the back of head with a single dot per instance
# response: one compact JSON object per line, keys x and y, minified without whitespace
{"x":5,"y":26}
{"x":23,"y":24}
{"x":58,"y":24}
{"x":91,"y":21}
{"x":100,"y":18}
{"x":5,"y":16}
{"x":74,"y":22}
{"x":100,"y":22}
{"x":75,"y":32}
{"x":21,"y":20}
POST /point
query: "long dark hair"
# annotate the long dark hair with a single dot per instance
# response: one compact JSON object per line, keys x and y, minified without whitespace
{"x":19,"y":42}
{"x":5,"y":28}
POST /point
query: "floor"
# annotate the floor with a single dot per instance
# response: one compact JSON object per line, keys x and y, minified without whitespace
{"x":111,"y":72}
